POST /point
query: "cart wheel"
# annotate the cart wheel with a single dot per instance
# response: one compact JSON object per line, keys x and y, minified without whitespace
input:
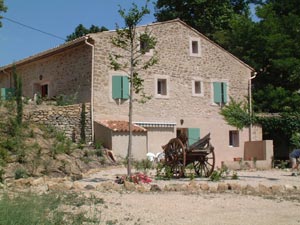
{"x":205,"y":164}
{"x":175,"y":157}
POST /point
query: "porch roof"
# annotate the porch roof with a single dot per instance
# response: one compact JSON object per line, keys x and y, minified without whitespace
{"x":120,"y":126}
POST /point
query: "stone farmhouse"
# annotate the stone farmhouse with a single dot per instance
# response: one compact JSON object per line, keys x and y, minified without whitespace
{"x":193,"y":79}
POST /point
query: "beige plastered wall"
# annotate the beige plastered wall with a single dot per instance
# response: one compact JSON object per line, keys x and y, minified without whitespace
{"x":139,"y":143}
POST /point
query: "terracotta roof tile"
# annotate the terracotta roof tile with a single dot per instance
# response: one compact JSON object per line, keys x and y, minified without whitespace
{"x":120,"y":126}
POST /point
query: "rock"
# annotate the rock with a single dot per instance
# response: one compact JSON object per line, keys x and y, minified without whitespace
{"x":192,"y":187}
{"x":141,"y":188}
{"x":155,"y":188}
{"x":89,"y":187}
{"x":21,"y":183}
{"x":109,"y":186}
{"x":222,"y":187}
{"x":75,"y":177}
{"x":289,"y":188}
{"x":40,"y":189}
{"x":277,"y":189}
{"x":248,"y":189}
{"x":175,"y":187}
{"x":64,"y":186}
{"x":37,"y":182}
{"x":264,"y":190}
{"x":77,"y":185}
{"x":234,"y":187}
{"x":129,"y":186}
{"x":213,"y":189}
{"x":204,"y":187}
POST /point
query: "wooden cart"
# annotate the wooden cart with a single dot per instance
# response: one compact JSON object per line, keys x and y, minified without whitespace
{"x":200,"y":154}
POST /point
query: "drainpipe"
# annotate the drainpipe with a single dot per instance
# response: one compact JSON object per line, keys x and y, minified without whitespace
{"x":250,"y":104}
{"x":92,"y":86}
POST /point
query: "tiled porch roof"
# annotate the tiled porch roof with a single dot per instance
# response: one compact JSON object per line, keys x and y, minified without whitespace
{"x":120,"y":126}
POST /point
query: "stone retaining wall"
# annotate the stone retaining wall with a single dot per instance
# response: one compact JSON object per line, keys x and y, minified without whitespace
{"x":65,"y":118}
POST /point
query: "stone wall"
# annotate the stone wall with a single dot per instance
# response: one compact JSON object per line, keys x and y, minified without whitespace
{"x":65,"y":118}
{"x":66,"y":73}
{"x":180,"y":69}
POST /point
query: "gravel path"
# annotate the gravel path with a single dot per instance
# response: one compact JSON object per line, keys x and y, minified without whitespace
{"x":172,"y":208}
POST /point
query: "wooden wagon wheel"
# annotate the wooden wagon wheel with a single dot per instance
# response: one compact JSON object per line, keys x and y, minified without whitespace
{"x":175,"y":157}
{"x":205,"y":164}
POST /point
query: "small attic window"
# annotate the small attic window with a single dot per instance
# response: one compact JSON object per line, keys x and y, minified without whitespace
{"x":195,"y":47}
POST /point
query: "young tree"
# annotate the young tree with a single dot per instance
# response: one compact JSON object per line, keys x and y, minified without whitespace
{"x":133,"y":47}
{"x":3,"y":8}
{"x":18,"y":96}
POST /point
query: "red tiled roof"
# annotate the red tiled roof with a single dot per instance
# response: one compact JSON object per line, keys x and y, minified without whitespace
{"x":120,"y":126}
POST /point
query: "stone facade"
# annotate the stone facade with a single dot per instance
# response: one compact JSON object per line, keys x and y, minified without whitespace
{"x":180,"y":69}
{"x":74,"y":68}
{"x":65,"y":118}
{"x":67,"y":72}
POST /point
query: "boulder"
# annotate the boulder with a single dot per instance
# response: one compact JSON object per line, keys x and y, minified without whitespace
{"x":129,"y":186}
{"x":222,"y":187}
{"x":155,"y":188}
{"x":264,"y":190}
{"x":234,"y":187}
{"x":204,"y":187}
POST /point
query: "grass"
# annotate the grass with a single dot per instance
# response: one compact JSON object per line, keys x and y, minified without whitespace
{"x":46,"y":209}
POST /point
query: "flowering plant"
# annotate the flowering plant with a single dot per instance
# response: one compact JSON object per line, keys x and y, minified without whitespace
{"x":139,"y":178}
{"x":135,"y":178}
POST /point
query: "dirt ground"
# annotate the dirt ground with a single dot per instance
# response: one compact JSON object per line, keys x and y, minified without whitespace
{"x":172,"y":208}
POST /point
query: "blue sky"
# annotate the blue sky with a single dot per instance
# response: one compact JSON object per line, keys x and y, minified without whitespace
{"x":58,"y":17}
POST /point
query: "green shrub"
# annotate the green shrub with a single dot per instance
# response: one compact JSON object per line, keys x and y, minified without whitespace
{"x":234,"y":176}
{"x":3,"y":154}
{"x":142,"y":165}
{"x":62,"y":100}
{"x":20,"y":173}
{"x":99,"y":152}
{"x":163,"y":172}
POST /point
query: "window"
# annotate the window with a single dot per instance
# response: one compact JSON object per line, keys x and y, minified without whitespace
{"x":234,"y":138}
{"x":195,"y":48}
{"x":220,"y":93}
{"x":197,"y":88}
{"x":120,"y":87}
{"x":162,"y":86}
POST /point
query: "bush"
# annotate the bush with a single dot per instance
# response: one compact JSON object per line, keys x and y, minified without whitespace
{"x":142,"y":165}
{"x":20,"y":173}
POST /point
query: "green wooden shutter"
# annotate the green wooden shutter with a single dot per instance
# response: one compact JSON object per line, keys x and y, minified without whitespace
{"x":224,"y":92}
{"x":193,"y":135}
{"x":116,"y":87}
{"x":125,"y":87}
{"x":217,"y":92}
{"x":220,"y":92}
{"x":6,"y":93}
